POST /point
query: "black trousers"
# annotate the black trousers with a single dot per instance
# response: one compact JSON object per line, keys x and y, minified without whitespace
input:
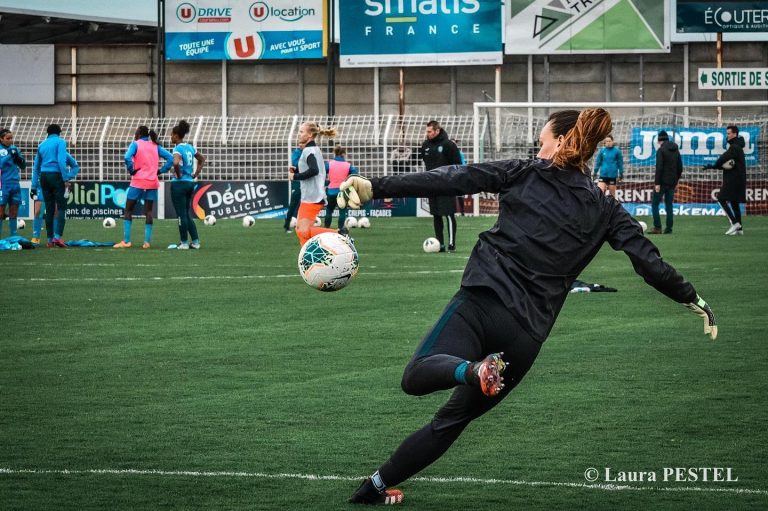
{"x":473,"y":325}
{"x":293,"y":207}
{"x":733,"y":211}
{"x":55,"y":203}
{"x":437,"y":222}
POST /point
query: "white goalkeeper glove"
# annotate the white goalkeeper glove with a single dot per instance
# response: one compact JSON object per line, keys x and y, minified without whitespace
{"x":701,"y":308}
{"x":354,"y":192}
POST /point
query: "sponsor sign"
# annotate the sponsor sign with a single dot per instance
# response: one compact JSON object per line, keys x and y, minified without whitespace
{"x":586,"y":26}
{"x":741,"y":78}
{"x":692,"y":198}
{"x":91,"y":199}
{"x":244,"y":29}
{"x":698,"y":146}
{"x":698,"y":16}
{"x":235,"y":199}
{"x":419,"y":32}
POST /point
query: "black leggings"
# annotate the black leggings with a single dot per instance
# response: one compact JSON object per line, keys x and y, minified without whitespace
{"x":55,"y":203}
{"x":437,"y":221}
{"x":473,"y":325}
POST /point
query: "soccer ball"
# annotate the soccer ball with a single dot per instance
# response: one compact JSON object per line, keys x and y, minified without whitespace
{"x":328,"y":261}
{"x":248,"y":221}
{"x":109,"y":223}
{"x":292,"y":223}
{"x":210,"y":220}
{"x":20,"y":223}
{"x":431,"y":245}
{"x":318,"y":222}
{"x":350,"y":222}
{"x":643,"y":225}
{"x":364,"y":223}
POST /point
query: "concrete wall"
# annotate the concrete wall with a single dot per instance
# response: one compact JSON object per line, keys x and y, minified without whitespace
{"x":122,"y":81}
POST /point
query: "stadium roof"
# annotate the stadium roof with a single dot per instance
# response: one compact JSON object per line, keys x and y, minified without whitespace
{"x":135,"y":12}
{"x":78,"y":22}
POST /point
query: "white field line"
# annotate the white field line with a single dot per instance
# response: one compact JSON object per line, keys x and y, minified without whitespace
{"x":212,"y":277}
{"x":319,"y":477}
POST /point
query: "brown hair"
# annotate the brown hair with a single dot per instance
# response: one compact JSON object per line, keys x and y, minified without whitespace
{"x":339,"y":151}
{"x":580,"y":142}
{"x":316,"y":131}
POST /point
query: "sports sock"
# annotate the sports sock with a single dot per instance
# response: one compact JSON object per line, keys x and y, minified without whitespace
{"x":460,"y":373}
{"x":37,"y":227}
{"x":12,"y":224}
{"x":127,"y":230}
{"x":147,"y":233}
{"x":378,"y":482}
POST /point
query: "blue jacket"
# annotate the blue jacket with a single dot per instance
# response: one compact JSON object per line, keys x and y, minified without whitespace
{"x":51,"y":157}
{"x":10,"y":162}
{"x":609,"y":162}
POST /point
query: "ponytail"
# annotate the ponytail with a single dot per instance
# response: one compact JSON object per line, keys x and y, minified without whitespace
{"x":316,"y":131}
{"x":580,"y":142}
{"x":181,"y":129}
{"x":143,"y":131}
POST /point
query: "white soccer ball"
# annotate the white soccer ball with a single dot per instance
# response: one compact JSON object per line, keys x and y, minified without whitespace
{"x":328,"y":261}
{"x":248,"y":221}
{"x":210,"y":220}
{"x":109,"y":223}
{"x":318,"y":222}
{"x":20,"y":223}
{"x":431,"y":245}
{"x":292,"y":223}
{"x":350,"y":222}
{"x":364,"y":223}
{"x":643,"y":225}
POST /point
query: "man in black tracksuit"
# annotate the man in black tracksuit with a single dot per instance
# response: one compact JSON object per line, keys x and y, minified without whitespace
{"x":669,"y":168}
{"x":552,"y":222}
{"x":436,"y":151}
{"x":734,"y":189}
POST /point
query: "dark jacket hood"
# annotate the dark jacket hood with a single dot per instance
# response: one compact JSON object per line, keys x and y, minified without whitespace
{"x":439,"y":139}
{"x":739,"y":141}
{"x":668,"y":146}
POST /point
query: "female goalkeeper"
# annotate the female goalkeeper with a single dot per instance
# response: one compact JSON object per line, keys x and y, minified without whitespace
{"x":311,"y":173}
{"x":552,"y":222}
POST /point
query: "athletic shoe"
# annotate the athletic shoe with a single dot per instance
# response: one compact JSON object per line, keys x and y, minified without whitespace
{"x":451,"y":248}
{"x":367,"y":494}
{"x":122,"y":244}
{"x":655,"y":230}
{"x":195,"y":245}
{"x":288,"y":231}
{"x":442,"y":248}
{"x":50,"y":244}
{"x":182,"y":246}
{"x":146,"y":245}
{"x":36,"y":241}
{"x":737,"y":232}
{"x":343,"y":231}
{"x":667,"y":231}
{"x":732,"y":230}
{"x":488,"y":373}
{"x":59,"y":243}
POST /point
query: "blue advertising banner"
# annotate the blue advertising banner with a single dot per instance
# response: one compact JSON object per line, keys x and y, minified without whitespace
{"x":698,"y":146}
{"x":244,"y":29}
{"x":91,"y":199}
{"x":697,"y":16}
{"x":419,"y":32}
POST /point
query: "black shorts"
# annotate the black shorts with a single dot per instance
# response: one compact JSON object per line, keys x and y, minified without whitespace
{"x":608,"y":180}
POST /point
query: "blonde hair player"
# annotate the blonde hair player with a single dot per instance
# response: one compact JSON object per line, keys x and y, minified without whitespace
{"x":311,"y":174}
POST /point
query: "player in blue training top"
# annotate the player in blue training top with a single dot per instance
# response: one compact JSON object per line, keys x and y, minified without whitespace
{"x":183,"y":184}
{"x":36,"y":194}
{"x":609,"y":165}
{"x":10,"y":190}
{"x":50,"y":172}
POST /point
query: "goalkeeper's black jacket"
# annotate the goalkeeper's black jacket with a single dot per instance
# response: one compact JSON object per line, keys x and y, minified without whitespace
{"x":551,"y":224}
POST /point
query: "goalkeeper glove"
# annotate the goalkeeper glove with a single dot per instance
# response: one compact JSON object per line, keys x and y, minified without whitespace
{"x":354,"y":192}
{"x":701,"y":308}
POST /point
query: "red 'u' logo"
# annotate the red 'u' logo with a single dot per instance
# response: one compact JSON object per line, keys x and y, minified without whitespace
{"x":249,"y":50}
{"x":186,"y":13}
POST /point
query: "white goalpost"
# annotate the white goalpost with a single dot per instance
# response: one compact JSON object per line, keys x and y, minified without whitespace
{"x":510,"y":130}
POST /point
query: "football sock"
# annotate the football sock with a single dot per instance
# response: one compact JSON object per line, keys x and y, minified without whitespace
{"x":127,"y":230}
{"x":12,"y":225}
{"x":1,"y":227}
{"x":460,"y":373}
{"x":37,"y":227}
{"x":147,"y":233}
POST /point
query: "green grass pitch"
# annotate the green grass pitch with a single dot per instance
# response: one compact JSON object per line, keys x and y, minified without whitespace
{"x":216,"y":379}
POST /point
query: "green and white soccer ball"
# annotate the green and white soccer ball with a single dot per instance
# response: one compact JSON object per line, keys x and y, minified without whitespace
{"x":328,"y":261}
{"x":350,"y":222}
{"x":108,"y":223}
{"x":364,"y":223}
{"x":431,"y":245}
{"x":248,"y":221}
{"x":210,"y":220}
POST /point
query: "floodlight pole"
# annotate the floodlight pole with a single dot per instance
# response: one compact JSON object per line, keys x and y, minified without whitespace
{"x":719,"y":57}
{"x":161,"y":58}
{"x":331,"y":65}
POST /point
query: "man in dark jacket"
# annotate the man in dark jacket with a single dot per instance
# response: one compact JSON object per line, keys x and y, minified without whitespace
{"x":437,"y":151}
{"x":734,"y":189}
{"x":669,"y":168}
